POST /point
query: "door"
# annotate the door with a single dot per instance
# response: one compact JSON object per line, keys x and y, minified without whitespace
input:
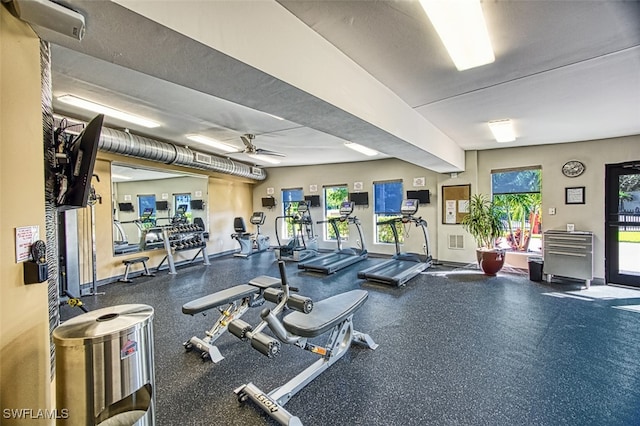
{"x":622,"y":227}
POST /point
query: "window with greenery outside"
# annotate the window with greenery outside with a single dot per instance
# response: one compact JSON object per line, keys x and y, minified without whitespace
{"x":387,"y":198}
{"x":517,"y":194}
{"x":334,"y":196}
{"x":290,"y":200}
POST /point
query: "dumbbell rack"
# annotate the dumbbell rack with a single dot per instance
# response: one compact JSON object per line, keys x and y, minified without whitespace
{"x":182,"y":237}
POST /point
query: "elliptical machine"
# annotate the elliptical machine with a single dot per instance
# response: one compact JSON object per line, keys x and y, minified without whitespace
{"x":250,"y":243}
{"x":298,"y":248}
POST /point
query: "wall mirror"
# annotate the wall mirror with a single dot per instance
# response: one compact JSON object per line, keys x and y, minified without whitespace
{"x":145,"y":200}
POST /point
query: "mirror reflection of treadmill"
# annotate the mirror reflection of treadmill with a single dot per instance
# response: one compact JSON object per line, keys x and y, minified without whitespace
{"x":340,"y":258}
{"x":402,"y":266}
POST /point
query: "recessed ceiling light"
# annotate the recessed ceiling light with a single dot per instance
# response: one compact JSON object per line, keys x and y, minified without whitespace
{"x":111,"y":112}
{"x":361,"y":149}
{"x":211,"y":142}
{"x":502,"y":130}
{"x":463,"y":31}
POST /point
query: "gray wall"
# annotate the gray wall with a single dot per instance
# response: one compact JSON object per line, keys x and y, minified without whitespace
{"x":479,"y":164}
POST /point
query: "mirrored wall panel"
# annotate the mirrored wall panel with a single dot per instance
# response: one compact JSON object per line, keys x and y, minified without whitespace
{"x":147,"y":200}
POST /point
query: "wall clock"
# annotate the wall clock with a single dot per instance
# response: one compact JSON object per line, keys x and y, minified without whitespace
{"x":573,"y":168}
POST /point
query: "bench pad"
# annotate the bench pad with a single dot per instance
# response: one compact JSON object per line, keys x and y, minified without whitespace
{"x":222,"y":297}
{"x":135,"y":260}
{"x":325,"y":314}
{"x":225,"y":297}
{"x":264,"y":281}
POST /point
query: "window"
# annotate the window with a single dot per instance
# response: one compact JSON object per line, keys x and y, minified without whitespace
{"x":517,"y":193}
{"x":334,"y":196}
{"x":290,"y":199}
{"x":387,"y":199}
{"x":182,"y":203}
{"x":147,"y":209}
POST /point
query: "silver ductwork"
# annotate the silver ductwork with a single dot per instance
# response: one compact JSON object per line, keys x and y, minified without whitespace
{"x":124,"y":143}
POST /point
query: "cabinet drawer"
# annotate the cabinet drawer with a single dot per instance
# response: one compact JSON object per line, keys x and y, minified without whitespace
{"x":568,"y":264}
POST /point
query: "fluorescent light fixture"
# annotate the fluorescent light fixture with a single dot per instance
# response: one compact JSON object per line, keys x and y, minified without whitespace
{"x":275,"y":116}
{"x":361,"y":149}
{"x":463,"y":31}
{"x":211,"y":142}
{"x":502,"y":130}
{"x":122,"y":177}
{"x":265,"y":158}
{"x":111,"y":112}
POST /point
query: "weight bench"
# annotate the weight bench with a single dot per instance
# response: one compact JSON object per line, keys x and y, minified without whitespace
{"x":236,"y":300}
{"x":133,"y":261}
{"x":334,"y":314}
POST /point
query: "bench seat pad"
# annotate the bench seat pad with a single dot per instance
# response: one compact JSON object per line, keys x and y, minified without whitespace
{"x":325,"y":314}
{"x":135,"y":260}
{"x":225,"y":297}
{"x":222,"y":297}
{"x":264,"y":281}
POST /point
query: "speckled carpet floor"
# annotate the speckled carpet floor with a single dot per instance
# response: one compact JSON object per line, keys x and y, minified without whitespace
{"x":456,"y":347}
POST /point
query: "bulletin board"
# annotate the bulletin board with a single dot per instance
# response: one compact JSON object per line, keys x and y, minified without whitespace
{"x":455,"y":203}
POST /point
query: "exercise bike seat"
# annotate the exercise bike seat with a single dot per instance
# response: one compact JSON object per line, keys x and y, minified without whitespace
{"x":226,"y":296}
{"x":325,"y":315}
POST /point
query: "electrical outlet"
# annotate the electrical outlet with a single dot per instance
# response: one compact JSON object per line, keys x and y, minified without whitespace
{"x":552,"y":210}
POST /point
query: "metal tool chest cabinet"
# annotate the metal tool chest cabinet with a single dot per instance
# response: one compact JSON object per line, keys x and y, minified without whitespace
{"x":568,"y":254}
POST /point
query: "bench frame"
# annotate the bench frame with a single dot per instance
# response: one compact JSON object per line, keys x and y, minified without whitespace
{"x":233,"y":310}
{"x":341,"y":337}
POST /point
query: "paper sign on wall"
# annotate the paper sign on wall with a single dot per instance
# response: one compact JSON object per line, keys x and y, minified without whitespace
{"x":164,"y":196}
{"x":25,"y":237}
{"x":450,"y":211}
{"x":198,"y":193}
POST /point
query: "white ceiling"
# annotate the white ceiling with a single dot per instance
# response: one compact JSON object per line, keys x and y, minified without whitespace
{"x":564,"y":72}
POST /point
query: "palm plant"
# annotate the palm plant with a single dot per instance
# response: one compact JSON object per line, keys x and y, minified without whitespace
{"x":483,"y":221}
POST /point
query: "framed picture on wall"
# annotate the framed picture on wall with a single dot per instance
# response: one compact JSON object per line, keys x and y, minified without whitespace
{"x":574,"y":195}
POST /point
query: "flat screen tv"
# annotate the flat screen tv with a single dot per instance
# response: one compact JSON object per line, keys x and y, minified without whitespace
{"x":82,"y":156}
{"x":421,"y":195}
{"x":312,"y":200}
{"x":162,"y":206}
{"x":359,"y":198}
{"x":268,"y":202}
{"x":197,"y":205}
{"x":125,"y":207}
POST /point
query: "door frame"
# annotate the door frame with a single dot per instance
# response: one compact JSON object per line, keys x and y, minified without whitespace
{"x":612,"y":223}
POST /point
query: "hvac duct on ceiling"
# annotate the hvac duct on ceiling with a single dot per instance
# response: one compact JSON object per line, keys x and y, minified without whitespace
{"x":123,"y":143}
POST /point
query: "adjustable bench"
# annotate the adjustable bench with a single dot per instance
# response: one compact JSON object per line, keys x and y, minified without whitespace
{"x":133,"y":261}
{"x":334,"y":314}
{"x":236,"y":300}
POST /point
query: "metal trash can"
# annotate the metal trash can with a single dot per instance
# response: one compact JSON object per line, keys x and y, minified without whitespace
{"x":105,"y":367}
{"x":535,"y":268}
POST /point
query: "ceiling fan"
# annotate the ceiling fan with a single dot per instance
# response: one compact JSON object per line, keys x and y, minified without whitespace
{"x":251,"y":149}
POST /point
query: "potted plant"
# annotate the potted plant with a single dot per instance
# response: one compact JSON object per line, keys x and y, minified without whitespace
{"x":484,"y":224}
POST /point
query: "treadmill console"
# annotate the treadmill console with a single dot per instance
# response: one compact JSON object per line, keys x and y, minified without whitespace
{"x":303,"y":207}
{"x":346,"y":208}
{"x":257,"y":218}
{"x":409,"y":207}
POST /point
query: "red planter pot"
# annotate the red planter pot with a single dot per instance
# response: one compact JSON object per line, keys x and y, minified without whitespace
{"x":490,"y":261}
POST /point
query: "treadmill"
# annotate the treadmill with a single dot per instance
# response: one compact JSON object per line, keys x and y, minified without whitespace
{"x":402,"y":266}
{"x":340,"y":258}
{"x":298,"y":248}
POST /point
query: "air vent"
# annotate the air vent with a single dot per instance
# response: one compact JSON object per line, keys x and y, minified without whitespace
{"x":456,"y":242}
{"x":202,"y":158}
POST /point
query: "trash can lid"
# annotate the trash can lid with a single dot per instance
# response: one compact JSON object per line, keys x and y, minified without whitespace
{"x":535,"y":259}
{"x":102,"y":324}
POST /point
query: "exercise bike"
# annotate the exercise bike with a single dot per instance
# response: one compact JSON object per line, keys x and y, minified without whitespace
{"x":250,"y":243}
{"x":309,"y":320}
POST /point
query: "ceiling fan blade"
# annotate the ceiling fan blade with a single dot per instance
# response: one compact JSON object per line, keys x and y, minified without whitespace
{"x":246,"y":140}
{"x":267,"y":152}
